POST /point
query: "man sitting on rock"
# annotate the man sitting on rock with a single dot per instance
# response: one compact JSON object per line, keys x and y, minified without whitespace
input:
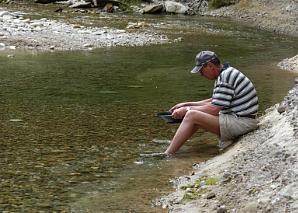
{"x":229,"y":113}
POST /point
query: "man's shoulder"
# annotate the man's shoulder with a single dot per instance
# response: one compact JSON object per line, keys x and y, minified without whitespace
{"x":229,"y":69}
{"x":230,"y":75}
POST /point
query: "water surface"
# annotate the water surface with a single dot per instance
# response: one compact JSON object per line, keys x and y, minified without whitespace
{"x":74,"y":123}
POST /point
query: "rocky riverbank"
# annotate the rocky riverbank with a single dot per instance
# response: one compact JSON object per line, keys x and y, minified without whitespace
{"x":280,"y":16}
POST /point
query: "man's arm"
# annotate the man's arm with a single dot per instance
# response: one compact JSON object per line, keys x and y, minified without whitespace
{"x":196,"y":103}
{"x":207,"y":107}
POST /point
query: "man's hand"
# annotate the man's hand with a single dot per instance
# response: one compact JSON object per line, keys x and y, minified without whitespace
{"x":177,"y":106}
{"x":179,"y":113}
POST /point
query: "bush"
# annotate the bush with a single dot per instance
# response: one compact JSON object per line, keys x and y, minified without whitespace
{"x":221,"y":3}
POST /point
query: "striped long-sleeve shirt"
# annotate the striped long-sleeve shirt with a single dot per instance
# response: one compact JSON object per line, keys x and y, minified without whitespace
{"x":235,"y":93}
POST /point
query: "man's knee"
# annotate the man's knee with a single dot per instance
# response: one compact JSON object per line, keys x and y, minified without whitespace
{"x":192,"y":115}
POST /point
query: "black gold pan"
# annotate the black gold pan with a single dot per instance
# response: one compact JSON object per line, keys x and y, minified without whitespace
{"x":167,"y":117}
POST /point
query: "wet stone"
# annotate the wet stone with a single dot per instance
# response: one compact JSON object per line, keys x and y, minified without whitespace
{"x":281,"y":109}
{"x":222,"y":209}
{"x":211,"y":195}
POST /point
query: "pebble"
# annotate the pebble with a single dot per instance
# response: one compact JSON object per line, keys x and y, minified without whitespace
{"x":211,"y":195}
{"x":16,"y":120}
{"x":251,"y":207}
{"x":222,"y":209}
{"x":281,"y":109}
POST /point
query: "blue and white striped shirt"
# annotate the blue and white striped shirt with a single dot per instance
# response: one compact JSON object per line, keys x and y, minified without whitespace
{"x":235,"y":93}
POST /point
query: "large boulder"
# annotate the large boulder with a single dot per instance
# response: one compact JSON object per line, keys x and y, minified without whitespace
{"x":175,"y":7}
{"x":153,"y":8}
{"x":44,"y":1}
{"x":81,"y":4}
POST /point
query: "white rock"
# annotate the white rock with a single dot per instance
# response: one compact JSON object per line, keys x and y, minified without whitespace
{"x":3,"y":13}
{"x":15,"y":120}
{"x":87,"y":45}
{"x":7,"y":17}
{"x":36,"y":24}
{"x":175,"y":7}
{"x":290,"y":191}
{"x":84,"y":31}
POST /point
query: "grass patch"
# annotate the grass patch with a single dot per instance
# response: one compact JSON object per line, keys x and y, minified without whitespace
{"x":198,"y":188}
{"x":221,"y":3}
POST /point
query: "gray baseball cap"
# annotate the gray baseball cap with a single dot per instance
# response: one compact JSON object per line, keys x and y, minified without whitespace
{"x":202,"y":58}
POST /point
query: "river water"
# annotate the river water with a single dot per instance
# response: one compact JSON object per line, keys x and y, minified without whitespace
{"x":73,"y":124}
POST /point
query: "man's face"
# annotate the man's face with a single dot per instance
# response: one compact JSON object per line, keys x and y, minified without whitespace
{"x":210,"y":71}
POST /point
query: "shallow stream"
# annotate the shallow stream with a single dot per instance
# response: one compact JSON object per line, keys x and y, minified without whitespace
{"x":73,"y":124}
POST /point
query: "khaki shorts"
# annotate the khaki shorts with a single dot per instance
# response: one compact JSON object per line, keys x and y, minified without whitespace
{"x":232,"y":127}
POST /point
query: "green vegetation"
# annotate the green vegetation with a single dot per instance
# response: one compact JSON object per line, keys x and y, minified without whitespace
{"x":199,"y":187}
{"x":131,"y":2}
{"x":221,"y":3}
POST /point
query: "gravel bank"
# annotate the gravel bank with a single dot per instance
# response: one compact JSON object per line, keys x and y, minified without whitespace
{"x":17,"y":32}
{"x":280,"y":16}
{"x":290,"y":64}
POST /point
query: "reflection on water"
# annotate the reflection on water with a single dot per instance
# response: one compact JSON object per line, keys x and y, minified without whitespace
{"x":73,"y":124}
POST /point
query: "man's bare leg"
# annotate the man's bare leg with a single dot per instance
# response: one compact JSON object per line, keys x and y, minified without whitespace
{"x":190,"y":124}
